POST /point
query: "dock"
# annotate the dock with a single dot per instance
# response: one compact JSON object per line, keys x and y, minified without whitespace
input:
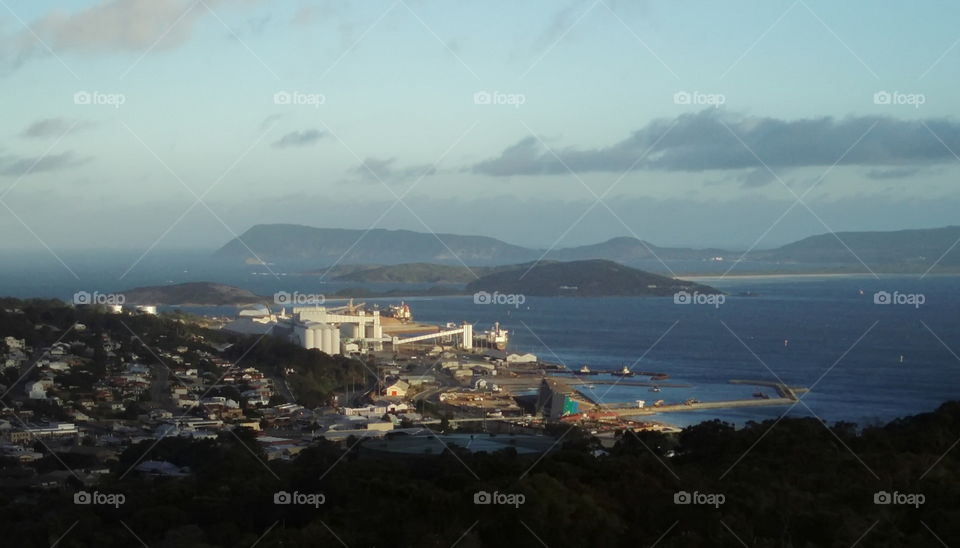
{"x":788,"y":395}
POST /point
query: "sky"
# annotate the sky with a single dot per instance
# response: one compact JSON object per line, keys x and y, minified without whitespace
{"x":179,"y":124}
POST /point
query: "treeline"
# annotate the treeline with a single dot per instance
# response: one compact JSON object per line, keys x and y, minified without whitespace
{"x":796,"y":483}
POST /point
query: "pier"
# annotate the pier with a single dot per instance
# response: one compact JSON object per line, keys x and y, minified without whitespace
{"x":556,"y":389}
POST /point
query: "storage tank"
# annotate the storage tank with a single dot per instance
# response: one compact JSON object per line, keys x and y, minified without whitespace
{"x":335,"y":340}
{"x":327,"y":334}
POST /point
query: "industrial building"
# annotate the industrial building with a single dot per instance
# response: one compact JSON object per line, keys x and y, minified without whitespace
{"x":333,"y":330}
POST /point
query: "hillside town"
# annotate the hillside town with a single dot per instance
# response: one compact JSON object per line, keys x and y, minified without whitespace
{"x":98,"y":390}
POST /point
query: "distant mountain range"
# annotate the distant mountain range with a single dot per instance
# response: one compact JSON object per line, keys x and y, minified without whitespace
{"x":313,"y":248}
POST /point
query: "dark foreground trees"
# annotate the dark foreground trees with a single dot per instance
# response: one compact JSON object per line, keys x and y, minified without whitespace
{"x":797,"y":483}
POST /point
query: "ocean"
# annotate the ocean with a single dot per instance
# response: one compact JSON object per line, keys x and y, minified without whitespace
{"x":867,"y":363}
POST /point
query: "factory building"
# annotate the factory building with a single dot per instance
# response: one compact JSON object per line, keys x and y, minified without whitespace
{"x":322,"y":336}
{"x":323,"y":329}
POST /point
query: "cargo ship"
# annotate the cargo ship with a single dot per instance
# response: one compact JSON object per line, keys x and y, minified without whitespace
{"x":401,"y":312}
{"x":495,"y":337}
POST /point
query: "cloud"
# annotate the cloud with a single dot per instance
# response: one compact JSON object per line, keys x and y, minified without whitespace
{"x":17,"y":166}
{"x":270,"y":121}
{"x":711,"y":139}
{"x":111,"y":25}
{"x":54,"y":127}
{"x":299,"y":138}
{"x":382,"y":169}
{"x":561,"y":24}
{"x":894,"y":173}
{"x":336,"y":14}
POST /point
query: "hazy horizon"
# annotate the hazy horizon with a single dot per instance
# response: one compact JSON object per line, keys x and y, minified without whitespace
{"x":178,"y":125}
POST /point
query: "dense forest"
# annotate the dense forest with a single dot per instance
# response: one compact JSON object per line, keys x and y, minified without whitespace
{"x":796,"y":483}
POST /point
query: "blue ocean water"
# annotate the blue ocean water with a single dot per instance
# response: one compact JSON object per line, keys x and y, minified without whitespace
{"x":867,"y":362}
{"x":814,"y":332}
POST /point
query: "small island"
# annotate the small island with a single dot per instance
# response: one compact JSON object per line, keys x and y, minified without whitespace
{"x":193,"y":294}
{"x":589,"y":278}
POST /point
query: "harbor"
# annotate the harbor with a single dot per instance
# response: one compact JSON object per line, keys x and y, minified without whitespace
{"x":474,"y":379}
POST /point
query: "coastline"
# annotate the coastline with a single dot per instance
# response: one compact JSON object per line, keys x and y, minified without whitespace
{"x":782,"y":276}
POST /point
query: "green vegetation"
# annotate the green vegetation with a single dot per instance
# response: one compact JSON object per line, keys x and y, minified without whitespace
{"x":794,"y":484}
{"x":416,"y":273}
{"x":591,"y":278}
{"x":316,"y":375}
{"x":42,"y":322}
{"x":193,"y":293}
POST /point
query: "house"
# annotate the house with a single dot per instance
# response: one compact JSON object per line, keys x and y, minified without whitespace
{"x":398,"y":388}
{"x":58,"y":365}
{"x":417,"y":380}
{"x":397,"y":407}
{"x":36,"y":390}
{"x":368,"y":411}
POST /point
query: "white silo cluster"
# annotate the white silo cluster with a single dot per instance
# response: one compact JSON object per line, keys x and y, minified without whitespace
{"x":322,"y":336}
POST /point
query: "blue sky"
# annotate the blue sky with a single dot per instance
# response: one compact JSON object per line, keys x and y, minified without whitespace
{"x":597,"y":84}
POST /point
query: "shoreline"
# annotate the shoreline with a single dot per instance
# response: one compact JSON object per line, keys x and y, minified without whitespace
{"x":776,"y":276}
{"x":807,"y":275}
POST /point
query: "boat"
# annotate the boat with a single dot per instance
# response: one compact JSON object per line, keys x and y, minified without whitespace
{"x":585,"y":370}
{"x":761,"y":395}
{"x":401,"y":312}
{"x":495,"y":337}
{"x":625,"y":372}
{"x":656,"y":389}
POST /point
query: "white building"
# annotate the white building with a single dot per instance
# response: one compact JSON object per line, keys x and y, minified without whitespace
{"x":315,"y":327}
{"x":521,"y":358}
{"x":398,"y":388}
{"x":322,"y":336}
{"x":36,"y":390}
